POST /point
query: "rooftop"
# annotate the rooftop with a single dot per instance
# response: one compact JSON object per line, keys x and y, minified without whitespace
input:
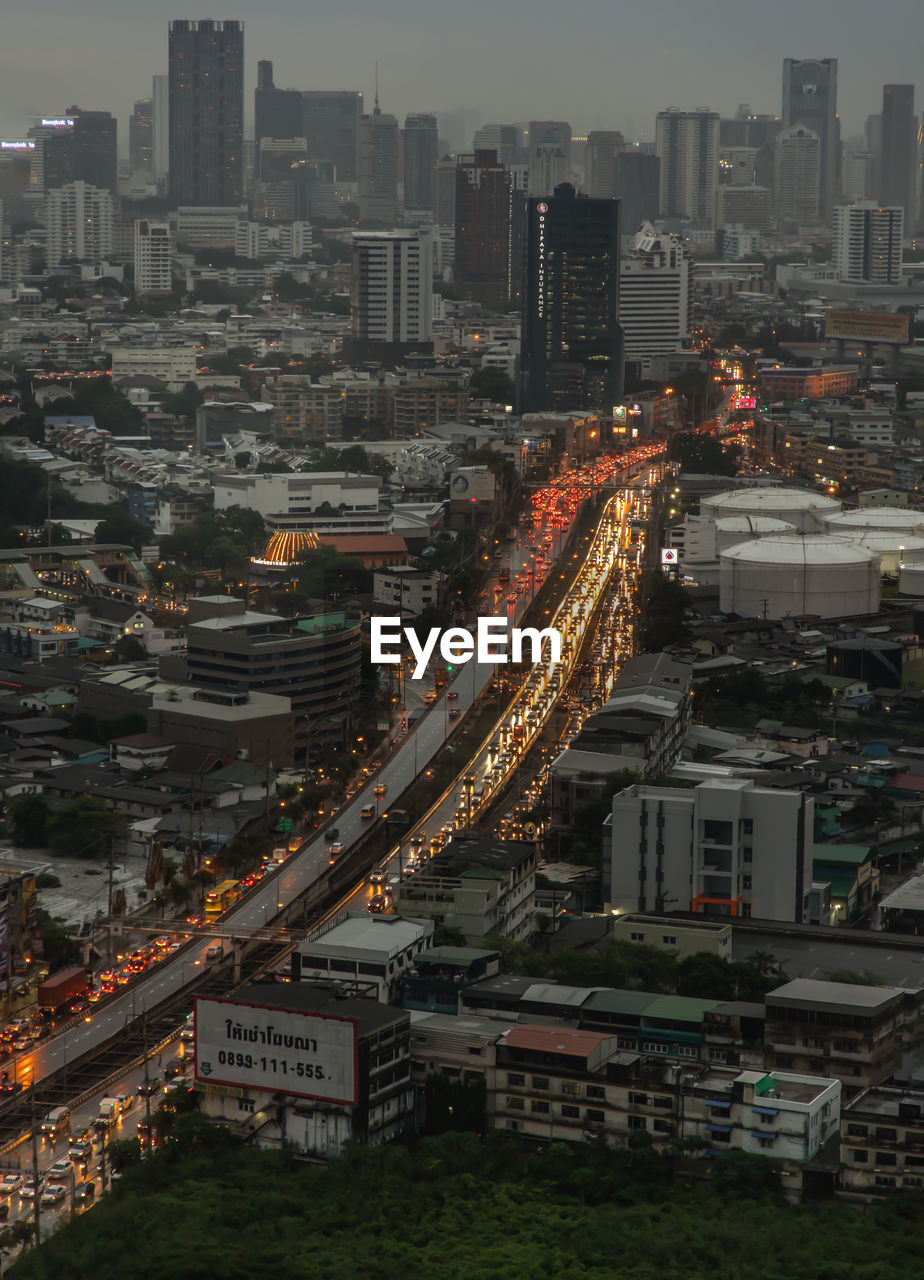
{"x":320,"y":997}
{"x":845,"y":997}
{"x":557,"y":1040}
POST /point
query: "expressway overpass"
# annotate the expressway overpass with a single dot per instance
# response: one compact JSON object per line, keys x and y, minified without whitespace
{"x":272,"y":898}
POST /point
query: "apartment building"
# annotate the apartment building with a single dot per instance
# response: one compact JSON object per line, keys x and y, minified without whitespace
{"x":479,"y":886}
{"x":882,"y":1140}
{"x":856,"y":1033}
{"x":726,"y":847}
{"x":375,"y":950}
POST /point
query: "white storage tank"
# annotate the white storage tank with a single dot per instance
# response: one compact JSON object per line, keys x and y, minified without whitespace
{"x":731,"y":530}
{"x":894,"y":519}
{"x":894,"y":549}
{"x":911,"y":580}
{"x":788,"y":575}
{"x":804,"y":509}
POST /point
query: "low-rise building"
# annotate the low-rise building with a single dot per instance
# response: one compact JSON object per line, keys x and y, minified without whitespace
{"x":409,"y":590}
{"x":674,"y":934}
{"x":376,"y":950}
{"x":882,"y":1140}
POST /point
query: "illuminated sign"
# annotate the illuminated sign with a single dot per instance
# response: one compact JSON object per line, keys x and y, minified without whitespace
{"x":668,"y":555}
{"x":63,"y":122}
{"x":16,"y":144}
{"x":867,"y":326}
{"x":541,"y":209}
{"x":280,"y":1050}
{"x":619,"y":413}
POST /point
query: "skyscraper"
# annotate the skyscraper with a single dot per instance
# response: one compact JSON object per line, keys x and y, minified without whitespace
{"x":378,"y":168}
{"x":687,"y":144}
{"x":84,"y":152}
{"x":797,"y":175}
{"x":899,"y":147}
{"x":482,"y":220}
{"x":392,"y":287}
{"x":638,"y":178}
{"x":161,"y":94}
{"x":868,"y":243}
{"x":278,"y":113}
{"x":502,"y":138}
{"x":79,"y":222}
{"x":421,"y":153}
{"x":571,"y":339}
{"x":141,"y":135}
{"x":543,"y":132}
{"x":206,"y":112}
{"x":810,"y":100}
{"x":548,"y":168}
{"x":603,"y":146}
{"x":152,"y":257}
{"x":330,"y":123}
{"x":655,"y":297}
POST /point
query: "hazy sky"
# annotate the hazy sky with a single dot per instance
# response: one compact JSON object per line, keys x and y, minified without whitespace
{"x":600,"y":64}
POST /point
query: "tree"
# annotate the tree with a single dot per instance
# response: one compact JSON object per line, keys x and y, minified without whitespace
{"x":118,"y":526}
{"x":84,"y":828}
{"x":110,"y":408}
{"x":704,"y":972}
{"x":743,"y":1175}
{"x":493,"y":385}
{"x":29,"y":814}
{"x":663,"y":615}
{"x":704,"y":454}
{"x":183,"y":404}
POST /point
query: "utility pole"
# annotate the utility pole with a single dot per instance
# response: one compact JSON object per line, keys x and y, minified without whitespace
{"x":111,"y":875}
{"x":147,"y":1080}
{"x":35,"y":1178}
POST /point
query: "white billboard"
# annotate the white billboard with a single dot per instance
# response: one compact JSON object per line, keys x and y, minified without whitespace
{"x":309,"y":1055}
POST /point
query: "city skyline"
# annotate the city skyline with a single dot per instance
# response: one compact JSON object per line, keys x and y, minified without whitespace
{"x":707,"y":57}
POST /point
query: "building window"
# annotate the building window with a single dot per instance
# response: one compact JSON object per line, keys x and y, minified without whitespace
{"x":637,"y":1122}
{"x":663,"y":1126}
{"x":669,"y":940}
{"x":886,"y":1135}
{"x":638,"y":1099}
{"x":540,"y":1082}
{"x":653,"y":1046}
{"x":245,"y":1104}
{"x":857,"y":1131}
{"x":636,"y":937}
{"x":746,"y":910}
{"x":595,"y":1117}
{"x":887,"y":1158}
{"x":571,"y":1087}
{"x":516,"y":1104}
{"x":746,"y":882}
{"x":571,"y":1113}
{"x":540,"y":1108}
{"x":595,"y":1091}
{"x":913,"y":1182}
{"x":686,"y":1051}
{"x":515,"y":1081}
{"x":882,"y":1181}
{"x":718,"y":1055}
{"x":858,"y":1156}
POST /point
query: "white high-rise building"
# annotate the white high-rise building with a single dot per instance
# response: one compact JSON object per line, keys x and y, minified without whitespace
{"x":548,"y":169}
{"x":392,"y":287}
{"x":153,"y":256}
{"x":687,"y":144}
{"x":868,"y":242}
{"x":654,"y":294}
{"x":726,"y":847}
{"x":797,"y":175}
{"x":79,"y":224}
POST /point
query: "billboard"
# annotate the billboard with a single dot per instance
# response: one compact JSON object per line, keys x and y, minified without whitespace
{"x":669,"y":555}
{"x":255,"y":1046}
{"x":867,"y":326}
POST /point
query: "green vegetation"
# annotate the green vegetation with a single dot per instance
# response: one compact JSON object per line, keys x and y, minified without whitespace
{"x":112,"y":411}
{"x":704,"y":454}
{"x":222,"y":540}
{"x":663,"y":612}
{"x":461,"y":1209}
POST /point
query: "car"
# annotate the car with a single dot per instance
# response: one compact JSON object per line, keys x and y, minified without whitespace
{"x":452,"y":696}
{"x":175,"y":1067}
{"x":84,"y":1195}
{"x":9,"y":1183}
{"x":377,"y":904}
{"x":454,"y":713}
{"x":53,"y":1195}
{"x":61,"y":1170}
{"x":336,"y":847}
{"x":188,"y":1034}
{"x":80,"y":1152}
{"x":213,"y":953}
{"x":332,"y":834}
{"x":30,"y":1189}
{"x":430,"y":697}
{"x":148,"y":1088}
{"x":379,"y":789}
{"x":377,"y":875}
{"x":160,"y":943}
{"x":125,"y":1099}
{"x":85,"y":1135}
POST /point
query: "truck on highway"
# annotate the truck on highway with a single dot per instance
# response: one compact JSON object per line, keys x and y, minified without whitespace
{"x":61,"y":988}
{"x":109,"y":1112}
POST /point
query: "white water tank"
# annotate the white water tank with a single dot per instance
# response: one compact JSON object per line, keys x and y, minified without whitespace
{"x":894,"y":548}
{"x":789,"y":575}
{"x":893,"y":519}
{"x":802,"y":508}
{"x":731,"y":530}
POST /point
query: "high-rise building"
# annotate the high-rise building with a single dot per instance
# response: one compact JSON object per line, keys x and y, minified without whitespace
{"x":638,"y":187}
{"x":278,"y":113}
{"x":502,"y":138}
{"x":78,"y":219}
{"x":330,"y":123}
{"x":603,"y":146}
{"x":421,"y":153}
{"x":141,"y":135}
{"x":281,"y":170}
{"x":161,"y":157}
{"x":687,"y":144}
{"x":83,"y":152}
{"x":749,"y":205}
{"x":482,"y":225}
{"x":206,"y":112}
{"x":655,"y":298}
{"x":153,"y":257}
{"x":392,"y":287}
{"x":797,"y":175}
{"x":810,"y":100}
{"x":446,"y":192}
{"x":898,"y":171}
{"x":548,"y":168}
{"x":378,"y":168}
{"x":571,"y":339}
{"x":868,"y":243}
{"x":554,"y":132}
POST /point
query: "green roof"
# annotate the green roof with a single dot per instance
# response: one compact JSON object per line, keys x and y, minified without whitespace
{"x":830,"y":682}
{"x":769,"y":724}
{"x":678,"y":1009}
{"x":848,"y":855}
{"x":322,"y":622}
{"x":478,"y":872}
{"x":624,"y":1002}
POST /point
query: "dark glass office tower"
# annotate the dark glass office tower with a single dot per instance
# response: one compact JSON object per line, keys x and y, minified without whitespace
{"x":421,"y":153}
{"x":86,"y":152}
{"x":141,"y":135}
{"x":330,"y":123}
{"x":898,"y":158}
{"x":572,"y":342}
{"x":482,"y":220}
{"x":206,"y":73}
{"x":810,"y":100}
{"x":277,"y":112}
